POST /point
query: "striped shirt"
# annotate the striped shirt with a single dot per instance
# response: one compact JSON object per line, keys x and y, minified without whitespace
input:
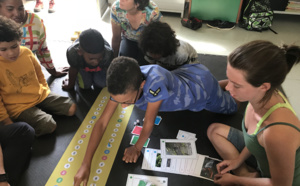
{"x":34,"y":38}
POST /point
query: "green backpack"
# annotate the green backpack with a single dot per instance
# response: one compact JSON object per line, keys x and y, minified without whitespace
{"x":257,"y":16}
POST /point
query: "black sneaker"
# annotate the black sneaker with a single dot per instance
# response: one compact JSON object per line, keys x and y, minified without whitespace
{"x":221,"y":25}
{"x":192,"y":23}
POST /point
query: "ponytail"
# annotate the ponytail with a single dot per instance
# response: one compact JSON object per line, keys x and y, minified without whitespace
{"x":292,"y":54}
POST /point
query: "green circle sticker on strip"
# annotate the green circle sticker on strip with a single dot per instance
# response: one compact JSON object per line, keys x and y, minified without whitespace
{"x":59,"y":180}
{"x":119,"y":120}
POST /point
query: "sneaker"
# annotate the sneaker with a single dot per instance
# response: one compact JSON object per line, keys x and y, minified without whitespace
{"x":221,"y":25}
{"x":51,"y":6}
{"x":192,"y":23}
{"x":38,"y":6}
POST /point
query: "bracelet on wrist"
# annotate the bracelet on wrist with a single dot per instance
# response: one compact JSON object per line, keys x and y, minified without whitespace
{"x":3,"y":177}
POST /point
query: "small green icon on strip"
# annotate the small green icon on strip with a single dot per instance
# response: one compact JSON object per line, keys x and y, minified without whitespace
{"x":59,"y":180}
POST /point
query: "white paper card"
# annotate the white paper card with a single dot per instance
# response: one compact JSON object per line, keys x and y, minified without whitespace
{"x":184,"y":135}
{"x":136,"y":179}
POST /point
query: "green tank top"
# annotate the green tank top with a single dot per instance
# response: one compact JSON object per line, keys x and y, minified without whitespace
{"x":259,"y":152}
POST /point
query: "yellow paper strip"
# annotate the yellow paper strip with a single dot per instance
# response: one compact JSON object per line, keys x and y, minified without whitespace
{"x":70,"y":162}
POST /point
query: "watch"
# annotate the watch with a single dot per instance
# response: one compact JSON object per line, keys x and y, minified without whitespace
{"x":3,"y":178}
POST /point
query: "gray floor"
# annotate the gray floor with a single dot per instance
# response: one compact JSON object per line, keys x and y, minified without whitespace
{"x":78,"y":15}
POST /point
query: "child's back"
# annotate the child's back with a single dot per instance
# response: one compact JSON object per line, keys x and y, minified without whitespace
{"x":189,"y":87}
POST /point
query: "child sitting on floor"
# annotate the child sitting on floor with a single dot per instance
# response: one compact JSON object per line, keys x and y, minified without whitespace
{"x":89,"y":58}
{"x":24,"y":91}
{"x":159,"y":43}
{"x":153,"y":88}
{"x":34,"y":33}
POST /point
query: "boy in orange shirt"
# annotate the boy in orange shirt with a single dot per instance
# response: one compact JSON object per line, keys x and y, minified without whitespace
{"x":24,"y":92}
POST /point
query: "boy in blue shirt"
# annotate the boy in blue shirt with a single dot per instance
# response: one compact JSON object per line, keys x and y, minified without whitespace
{"x":153,"y":88}
{"x":89,"y":58}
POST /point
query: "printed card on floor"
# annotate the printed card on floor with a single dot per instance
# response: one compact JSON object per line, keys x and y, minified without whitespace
{"x":157,"y":120}
{"x":172,"y":148}
{"x":153,"y":161}
{"x":184,"y":135}
{"x":137,"y":130}
{"x":135,"y":138}
{"x":144,"y":180}
{"x":206,"y":167}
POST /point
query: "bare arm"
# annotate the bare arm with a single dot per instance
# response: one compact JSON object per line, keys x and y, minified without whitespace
{"x":2,"y":170}
{"x":58,"y":72}
{"x":151,"y":112}
{"x":281,"y":143}
{"x":131,"y":154}
{"x":223,"y":83}
{"x":96,"y":136}
{"x":116,"y":38}
{"x":70,"y":83}
{"x":280,"y":147}
{"x":228,"y":165}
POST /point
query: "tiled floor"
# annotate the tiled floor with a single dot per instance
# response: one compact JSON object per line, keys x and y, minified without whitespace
{"x":77,"y":15}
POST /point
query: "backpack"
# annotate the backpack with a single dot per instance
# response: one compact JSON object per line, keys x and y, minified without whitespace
{"x":257,"y":16}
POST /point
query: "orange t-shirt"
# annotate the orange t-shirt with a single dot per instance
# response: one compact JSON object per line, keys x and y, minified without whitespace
{"x":22,"y":84}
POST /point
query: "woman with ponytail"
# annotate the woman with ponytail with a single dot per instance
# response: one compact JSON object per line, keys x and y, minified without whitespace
{"x":270,"y":128}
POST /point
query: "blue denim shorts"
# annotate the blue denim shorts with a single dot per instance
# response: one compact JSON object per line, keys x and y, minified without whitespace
{"x":236,"y":137}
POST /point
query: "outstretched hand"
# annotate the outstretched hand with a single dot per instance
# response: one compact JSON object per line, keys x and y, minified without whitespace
{"x":131,"y":154}
{"x":82,"y":176}
{"x":59,"y":72}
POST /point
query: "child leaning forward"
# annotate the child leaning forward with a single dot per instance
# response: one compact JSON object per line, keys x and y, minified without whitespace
{"x":89,"y":58}
{"x":153,"y":88}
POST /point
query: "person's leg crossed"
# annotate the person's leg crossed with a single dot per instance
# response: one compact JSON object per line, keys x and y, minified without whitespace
{"x":59,"y":105}
{"x":42,"y":122}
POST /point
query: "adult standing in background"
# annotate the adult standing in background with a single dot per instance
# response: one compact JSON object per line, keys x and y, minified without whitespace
{"x":34,"y":33}
{"x":128,"y":19}
{"x":39,"y":5}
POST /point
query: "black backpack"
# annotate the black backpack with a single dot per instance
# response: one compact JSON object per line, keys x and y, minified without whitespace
{"x":257,"y":16}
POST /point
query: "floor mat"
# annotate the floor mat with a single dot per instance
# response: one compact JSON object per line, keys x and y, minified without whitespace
{"x":106,"y":152}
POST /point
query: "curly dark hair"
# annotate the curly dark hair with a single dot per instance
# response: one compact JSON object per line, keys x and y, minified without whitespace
{"x":9,"y":30}
{"x":123,"y":75}
{"x":142,"y":4}
{"x":159,"y":38}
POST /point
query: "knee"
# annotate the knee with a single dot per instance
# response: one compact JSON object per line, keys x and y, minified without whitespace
{"x":46,"y":126}
{"x":213,"y":130}
{"x":72,"y":110}
{"x":24,"y":132}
